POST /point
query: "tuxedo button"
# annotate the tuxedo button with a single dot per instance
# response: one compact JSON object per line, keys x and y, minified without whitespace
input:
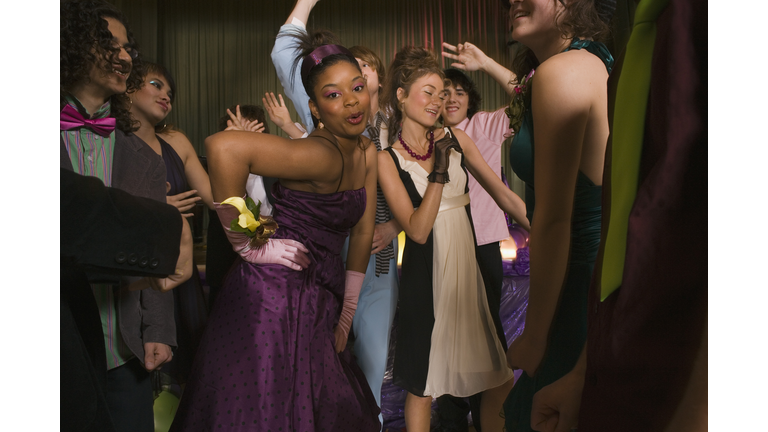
{"x":133,"y":259}
{"x":143,"y":262}
{"x":154,"y":263}
{"x":120,"y":257}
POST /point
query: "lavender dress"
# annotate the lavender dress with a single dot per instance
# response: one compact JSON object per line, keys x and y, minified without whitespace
{"x":267,"y":360}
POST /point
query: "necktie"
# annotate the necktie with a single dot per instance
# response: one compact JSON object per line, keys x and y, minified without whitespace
{"x":628,"y":129}
{"x":72,"y":119}
{"x":382,"y":211}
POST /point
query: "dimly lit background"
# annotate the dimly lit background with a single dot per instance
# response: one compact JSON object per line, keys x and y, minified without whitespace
{"x":219,"y":51}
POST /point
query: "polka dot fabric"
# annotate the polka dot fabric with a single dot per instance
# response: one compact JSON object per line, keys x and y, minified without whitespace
{"x":267,"y":360}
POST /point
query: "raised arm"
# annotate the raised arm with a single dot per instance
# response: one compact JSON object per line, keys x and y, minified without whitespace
{"x":193,"y":169}
{"x":505,"y":198}
{"x":232,"y":155}
{"x":417,"y":223}
{"x":471,"y":58}
{"x":284,"y":54}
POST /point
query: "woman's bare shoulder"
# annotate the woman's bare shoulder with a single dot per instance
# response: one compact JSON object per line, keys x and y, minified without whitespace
{"x":574,"y":67}
{"x":179,"y":141}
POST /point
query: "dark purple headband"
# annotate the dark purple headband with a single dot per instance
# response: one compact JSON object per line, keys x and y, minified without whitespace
{"x":316,"y":57}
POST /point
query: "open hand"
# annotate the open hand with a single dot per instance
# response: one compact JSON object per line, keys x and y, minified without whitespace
{"x":469,"y":56}
{"x":277,"y":111}
{"x":183,"y":201}
{"x":238,"y":123}
{"x":383,"y":234}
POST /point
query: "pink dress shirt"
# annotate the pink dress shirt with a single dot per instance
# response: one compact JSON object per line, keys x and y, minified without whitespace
{"x":488,"y":130}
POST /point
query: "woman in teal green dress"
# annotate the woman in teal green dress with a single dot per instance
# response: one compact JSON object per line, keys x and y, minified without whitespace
{"x":564,"y":104}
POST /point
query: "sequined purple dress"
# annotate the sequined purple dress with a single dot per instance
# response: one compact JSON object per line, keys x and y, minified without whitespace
{"x":267,"y":360}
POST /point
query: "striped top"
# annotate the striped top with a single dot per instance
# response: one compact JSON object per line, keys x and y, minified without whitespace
{"x":91,"y":155}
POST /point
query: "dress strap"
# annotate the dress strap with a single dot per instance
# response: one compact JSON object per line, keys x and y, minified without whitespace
{"x":342,"y":159}
{"x":405,"y":177}
{"x":596,"y":48}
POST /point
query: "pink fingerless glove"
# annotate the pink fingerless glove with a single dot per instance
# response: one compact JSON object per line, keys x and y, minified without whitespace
{"x":352,"y":286}
{"x":290,"y":253}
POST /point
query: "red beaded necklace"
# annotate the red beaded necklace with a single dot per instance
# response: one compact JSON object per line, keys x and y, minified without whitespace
{"x":411,"y":152}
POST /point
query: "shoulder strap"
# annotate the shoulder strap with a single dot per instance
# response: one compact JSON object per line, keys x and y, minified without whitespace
{"x":336,"y":146}
{"x":405,"y":177}
{"x":596,"y":48}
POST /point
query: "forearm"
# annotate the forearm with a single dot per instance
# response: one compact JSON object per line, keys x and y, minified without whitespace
{"x":394,"y":225}
{"x":158,"y":324}
{"x":419,"y":224}
{"x":359,"y":251}
{"x":500,"y":74}
{"x":284,"y":53}
{"x":301,"y":11}
{"x":514,"y":206}
{"x":549,"y":247}
{"x":200,"y":182}
{"x":292,"y":131}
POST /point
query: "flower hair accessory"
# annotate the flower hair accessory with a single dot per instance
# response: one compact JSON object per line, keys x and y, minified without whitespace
{"x":516,"y":109}
{"x":258,"y":230}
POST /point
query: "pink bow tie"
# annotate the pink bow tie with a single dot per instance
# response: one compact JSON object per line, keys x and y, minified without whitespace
{"x":72,"y":119}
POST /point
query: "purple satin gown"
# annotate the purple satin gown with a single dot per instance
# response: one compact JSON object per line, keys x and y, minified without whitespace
{"x":267,"y":360}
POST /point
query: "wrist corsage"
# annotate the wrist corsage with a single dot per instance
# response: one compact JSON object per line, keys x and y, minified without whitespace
{"x":258,"y":230}
{"x":516,"y":109}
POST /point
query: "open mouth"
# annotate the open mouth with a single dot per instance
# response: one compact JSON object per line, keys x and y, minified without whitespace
{"x":451,"y":109}
{"x":119,"y":71}
{"x":432,"y":112}
{"x":355,"y":118}
{"x":519,"y":14}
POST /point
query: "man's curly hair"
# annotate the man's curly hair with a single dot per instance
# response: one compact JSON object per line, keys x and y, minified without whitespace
{"x":85,"y":41}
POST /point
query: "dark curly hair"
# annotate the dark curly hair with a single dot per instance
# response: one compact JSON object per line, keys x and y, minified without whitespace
{"x":409,"y":64}
{"x":578,"y":18}
{"x":84,"y":41}
{"x":249,"y":112}
{"x":459,"y":78}
{"x":156,"y":68}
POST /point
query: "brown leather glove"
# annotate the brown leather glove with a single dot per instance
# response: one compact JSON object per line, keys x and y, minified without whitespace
{"x":443,"y":146}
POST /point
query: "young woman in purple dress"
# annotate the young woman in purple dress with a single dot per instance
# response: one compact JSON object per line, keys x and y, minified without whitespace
{"x":274,"y":356}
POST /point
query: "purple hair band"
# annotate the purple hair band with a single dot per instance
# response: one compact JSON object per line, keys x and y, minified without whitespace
{"x":316,"y":57}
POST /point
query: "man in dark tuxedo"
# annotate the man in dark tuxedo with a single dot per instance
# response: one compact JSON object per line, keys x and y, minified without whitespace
{"x":99,"y":62}
{"x":99,"y":225}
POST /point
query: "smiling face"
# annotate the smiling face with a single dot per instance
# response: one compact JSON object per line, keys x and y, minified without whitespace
{"x":108,"y":75}
{"x":532,"y":19}
{"x":341,"y":100}
{"x":456,"y":105}
{"x":424,"y":101}
{"x":153,"y":101}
